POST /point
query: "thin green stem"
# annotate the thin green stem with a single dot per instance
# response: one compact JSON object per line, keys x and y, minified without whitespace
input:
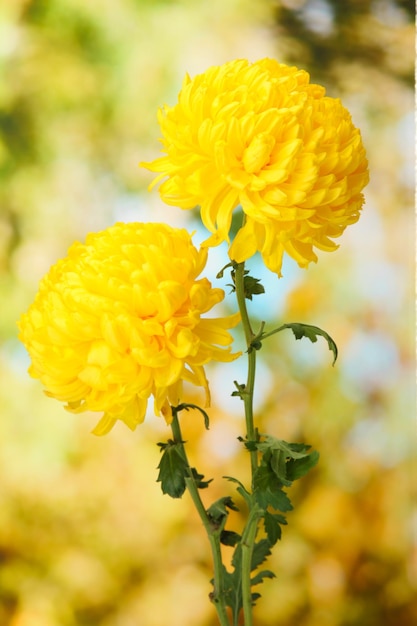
{"x":247,"y":392}
{"x":241,"y":300}
{"x":213,"y":534}
{"x":273,"y":332}
{"x":251,"y":527}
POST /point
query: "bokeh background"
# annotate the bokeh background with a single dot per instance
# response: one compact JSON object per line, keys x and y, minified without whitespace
{"x":86,"y":536}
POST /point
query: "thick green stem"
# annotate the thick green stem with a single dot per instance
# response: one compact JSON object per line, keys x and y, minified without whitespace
{"x":248,"y":542}
{"x":213,"y":534}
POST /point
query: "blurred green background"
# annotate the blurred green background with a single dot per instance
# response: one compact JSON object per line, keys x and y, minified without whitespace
{"x":86,"y":537}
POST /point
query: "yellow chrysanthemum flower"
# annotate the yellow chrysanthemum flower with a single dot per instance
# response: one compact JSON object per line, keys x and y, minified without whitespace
{"x":261,"y":136}
{"x":120,"y":319}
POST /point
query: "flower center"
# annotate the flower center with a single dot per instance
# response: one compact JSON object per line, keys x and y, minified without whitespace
{"x":258,"y":152}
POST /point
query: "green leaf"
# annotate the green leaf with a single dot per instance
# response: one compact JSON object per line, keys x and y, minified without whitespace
{"x":277,"y":499}
{"x":229,"y":538}
{"x":252,"y":287}
{"x":291,"y":450}
{"x":186,"y":406}
{"x":241,"y":489}
{"x":263,"y":477}
{"x":296,"y":468}
{"x":312,"y":332}
{"x":286,"y":461}
{"x":198,"y":478}
{"x":272,"y":525}
{"x":240,"y":390}
{"x":233,"y":591}
{"x":249,"y":445}
{"x":268,"y":488}
{"x":298,"y":450}
{"x":259,"y":578}
{"x":236,"y":481}
{"x":237,"y":558}
{"x":218,"y":512}
{"x":278,"y":463}
{"x":173,"y":469}
{"x":261,"y":550}
{"x":233,"y":580}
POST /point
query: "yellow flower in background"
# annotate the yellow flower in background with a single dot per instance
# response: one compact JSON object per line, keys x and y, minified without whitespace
{"x":261,"y":136}
{"x":120,"y":319}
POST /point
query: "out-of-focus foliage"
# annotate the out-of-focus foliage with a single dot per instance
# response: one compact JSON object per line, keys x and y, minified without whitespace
{"x":327,"y":34}
{"x":86,"y":537}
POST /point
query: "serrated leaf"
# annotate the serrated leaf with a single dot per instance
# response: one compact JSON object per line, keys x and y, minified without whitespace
{"x":198,"y":478}
{"x":296,"y":468}
{"x":301,"y":330}
{"x":277,"y":499}
{"x":252,"y":287}
{"x":280,"y":501}
{"x":259,"y":578}
{"x":261,"y":550}
{"x":173,"y":469}
{"x":268,"y":488}
{"x":272,"y":525}
{"x":300,"y":449}
{"x":291,"y":450}
{"x":231,"y":590}
{"x":263,"y":477}
{"x":237,"y":558}
{"x":233,"y":580}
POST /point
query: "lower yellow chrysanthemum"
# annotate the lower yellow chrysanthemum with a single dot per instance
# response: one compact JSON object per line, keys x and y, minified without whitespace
{"x":261,"y":136}
{"x":120,"y":319}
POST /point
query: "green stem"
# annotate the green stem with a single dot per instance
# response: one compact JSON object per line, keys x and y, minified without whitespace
{"x":273,"y":332}
{"x":251,"y":527}
{"x":247,"y":392}
{"x":248,"y":542}
{"x":213,"y":534}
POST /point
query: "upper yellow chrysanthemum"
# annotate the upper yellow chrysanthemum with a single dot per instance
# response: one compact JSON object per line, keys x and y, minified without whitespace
{"x":261,"y":136}
{"x":120,"y":319}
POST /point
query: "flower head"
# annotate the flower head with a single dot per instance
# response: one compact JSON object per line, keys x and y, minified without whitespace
{"x":120,"y":319}
{"x":261,"y":136}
